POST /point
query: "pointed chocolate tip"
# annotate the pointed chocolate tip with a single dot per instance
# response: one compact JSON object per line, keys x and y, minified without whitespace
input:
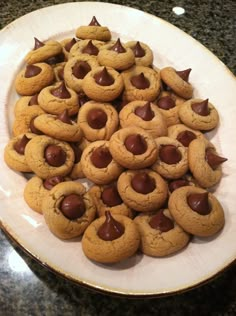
{"x":199,"y":203}
{"x":21,"y":144}
{"x":37,"y":43}
{"x":214,"y":160}
{"x":94,"y":22}
{"x":201,"y":108}
{"x":140,"y":81}
{"x":64,"y":117}
{"x":118,"y":47}
{"x":184,"y":74}
{"x":61,"y":91}
{"x":103,"y":78}
{"x":111,"y":229}
{"x":138,"y":50}
{"x":145,"y":112}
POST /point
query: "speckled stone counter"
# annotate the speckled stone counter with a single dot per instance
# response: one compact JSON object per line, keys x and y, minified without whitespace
{"x":27,"y":288}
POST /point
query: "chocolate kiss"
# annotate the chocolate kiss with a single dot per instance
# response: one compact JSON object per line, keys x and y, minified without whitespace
{"x":83,"y":99}
{"x":173,"y":185}
{"x":55,"y":155}
{"x":51,"y":182}
{"x":72,"y":206}
{"x":55,"y":59}
{"x":34,"y":129}
{"x":138,"y":50}
{"x":80,"y":69}
{"x":20,"y":145}
{"x":37,"y":43}
{"x":77,"y":152}
{"x":185,"y":137}
{"x":161,"y":222}
{"x":110,"y":229}
{"x":140,"y":81}
{"x":166,"y":103}
{"x":214,"y":160}
{"x":169,"y":154}
{"x":70,"y":44}
{"x":135,"y":144}
{"x":96,"y":118}
{"x":117,"y":47}
{"x":184,"y":74}
{"x":94,"y":22}
{"x":101,"y":157}
{"x":198,"y":202}
{"x":61,"y":92}
{"x":34,"y":100}
{"x":64,"y":117}
{"x":201,"y":108}
{"x":143,"y":183}
{"x":145,"y":112}
{"x":32,"y":71}
{"x":103,"y":78}
{"x":90,"y":49}
{"x":111,"y":197}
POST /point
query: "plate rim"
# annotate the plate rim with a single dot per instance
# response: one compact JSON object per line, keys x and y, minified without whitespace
{"x":107,"y":290}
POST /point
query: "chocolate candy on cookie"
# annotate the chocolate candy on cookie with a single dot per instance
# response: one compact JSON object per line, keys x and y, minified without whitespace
{"x":93,"y":31}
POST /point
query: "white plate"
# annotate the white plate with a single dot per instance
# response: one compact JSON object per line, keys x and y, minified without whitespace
{"x":140,"y":275}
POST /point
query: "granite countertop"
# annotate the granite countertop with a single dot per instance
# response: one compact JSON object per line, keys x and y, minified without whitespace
{"x":27,"y":288}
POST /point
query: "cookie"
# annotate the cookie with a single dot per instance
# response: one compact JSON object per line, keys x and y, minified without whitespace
{"x":36,"y":189}
{"x":59,"y":126}
{"x":142,"y":53}
{"x":24,"y":121}
{"x":98,"y":164}
{"x":184,"y":134}
{"x":142,"y":190}
{"x":43,"y":51}
{"x":160,"y":234}
{"x":178,"y":100}
{"x":77,"y":170}
{"x":110,"y":239}
{"x":177,"y":81}
{"x":76,"y":69}
{"x":59,"y":71}
{"x":33,"y":78}
{"x":107,"y":198}
{"x":116,"y":55}
{"x":141,"y":83}
{"x":199,"y":114}
{"x":57,"y":98}
{"x":14,"y":152}
{"x":169,"y":109}
{"x":23,"y":104}
{"x":197,"y":211}
{"x":98,"y":120}
{"x":48,"y":157}
{"x":103,"y":84}
{"x":93,"y":31}
{"x":68,"y":209}
{"x":145,"y":115}
{"x":172,"y":161}
{"x":88,"y":48}
{"x":205,"y":163}
{"x":186,"y":180}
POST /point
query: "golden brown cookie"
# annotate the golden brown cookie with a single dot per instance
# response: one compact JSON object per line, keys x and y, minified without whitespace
{"x":76,"y":69}
{"x":141,"y":83}
{"x":88,"y":48}
{"x":43,"y":51}
{"x":33,"y":78}
{"x":205,"y":163}
{"x":199,"y":114}
{"x":116,"y":55}
{"x":23,"y":104}
{"x":68,"y":209}
{"x":59,"y":71}
{"x":98,"y":164}
{"x":133,"y":148}
{"x":103,"y":84}
{"x":77,"y":170}
{"x":160,"y":234}
{"x":142,"y":190}
{"x":59,"y":126}
{"x":142,"y":53}
{"x":48,"y":157}
{"x":177,"y":81}
{"x":184,"y":134}
{"x":57,"y":98}
{"x":111,"y":245}
{"x":145,"y":115}
{"x":98,"y":120}
{"x":93,"y":31}
{"x":24,"y":121}
{"x":107,"y":198}
{"x":36,"y":189}
{"x":14,"y":152}
{"x":172,"y":161}
{"x":197,"y":211}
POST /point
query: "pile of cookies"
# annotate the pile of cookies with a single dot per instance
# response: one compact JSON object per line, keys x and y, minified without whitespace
{"x":97,"y":108}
